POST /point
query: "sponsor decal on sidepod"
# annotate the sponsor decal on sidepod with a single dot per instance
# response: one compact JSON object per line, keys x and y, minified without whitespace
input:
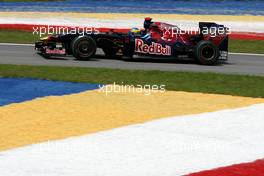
{"x":154,"y":48}
{"x":55,"y":51}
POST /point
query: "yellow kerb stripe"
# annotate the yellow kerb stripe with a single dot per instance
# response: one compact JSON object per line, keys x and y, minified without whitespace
{"x":60,"y":117}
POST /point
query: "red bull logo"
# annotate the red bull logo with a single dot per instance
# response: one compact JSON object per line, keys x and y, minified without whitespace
{"x":56,"y":51}
{"x":154,"y":48}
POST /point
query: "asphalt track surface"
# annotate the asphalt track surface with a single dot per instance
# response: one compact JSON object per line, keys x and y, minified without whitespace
{"x":237,"y":63}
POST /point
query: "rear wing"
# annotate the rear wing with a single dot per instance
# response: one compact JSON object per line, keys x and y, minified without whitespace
{"x":208,"y":25}
{"x":218,"y":30}
{"x":209,"y":28}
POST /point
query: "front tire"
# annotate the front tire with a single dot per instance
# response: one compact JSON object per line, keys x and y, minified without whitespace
{"x":83,"y":47}
{"x":206,"y":53}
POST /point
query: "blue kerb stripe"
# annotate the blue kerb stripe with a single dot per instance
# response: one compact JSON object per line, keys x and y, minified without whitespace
{"x":23,"y":89}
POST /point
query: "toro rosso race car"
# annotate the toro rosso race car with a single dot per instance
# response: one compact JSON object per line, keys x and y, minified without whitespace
{"x":208,"y":46}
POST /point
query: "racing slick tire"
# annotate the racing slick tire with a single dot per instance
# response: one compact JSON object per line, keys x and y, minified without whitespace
{"x":83,"y":47}
{"x":206,"y":53}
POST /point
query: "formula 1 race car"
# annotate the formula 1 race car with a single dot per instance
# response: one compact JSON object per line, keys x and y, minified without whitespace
{"x":208,"y":46}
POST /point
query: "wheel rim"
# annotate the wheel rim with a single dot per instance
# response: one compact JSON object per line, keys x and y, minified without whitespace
{"x":208,"y":53}
{"x":85,"y":48}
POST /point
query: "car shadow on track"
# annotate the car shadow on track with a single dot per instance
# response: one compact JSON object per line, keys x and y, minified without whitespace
{"x":145,"y":59}
{"x":66,"y":58}
{"x":156,"y":60}
{"x":97,"y":58}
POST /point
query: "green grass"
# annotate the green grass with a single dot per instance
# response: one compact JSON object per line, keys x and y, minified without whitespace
{"x":243,"y":46}
{"x":251,"y":86}
{"x":246,"y":46}
{"x":10,"y":36}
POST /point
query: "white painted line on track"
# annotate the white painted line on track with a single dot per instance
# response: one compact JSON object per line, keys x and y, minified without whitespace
{"x":246,"y":54}
{"x":15,"y":44}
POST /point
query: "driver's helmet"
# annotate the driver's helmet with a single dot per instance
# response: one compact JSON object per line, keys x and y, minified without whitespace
{"x":135,"y":30}
{"x":147,"y":22}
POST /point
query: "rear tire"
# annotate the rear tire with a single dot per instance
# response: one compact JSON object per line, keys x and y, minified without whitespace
{"x":83,"y":47}
{"x":206,"y":53}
